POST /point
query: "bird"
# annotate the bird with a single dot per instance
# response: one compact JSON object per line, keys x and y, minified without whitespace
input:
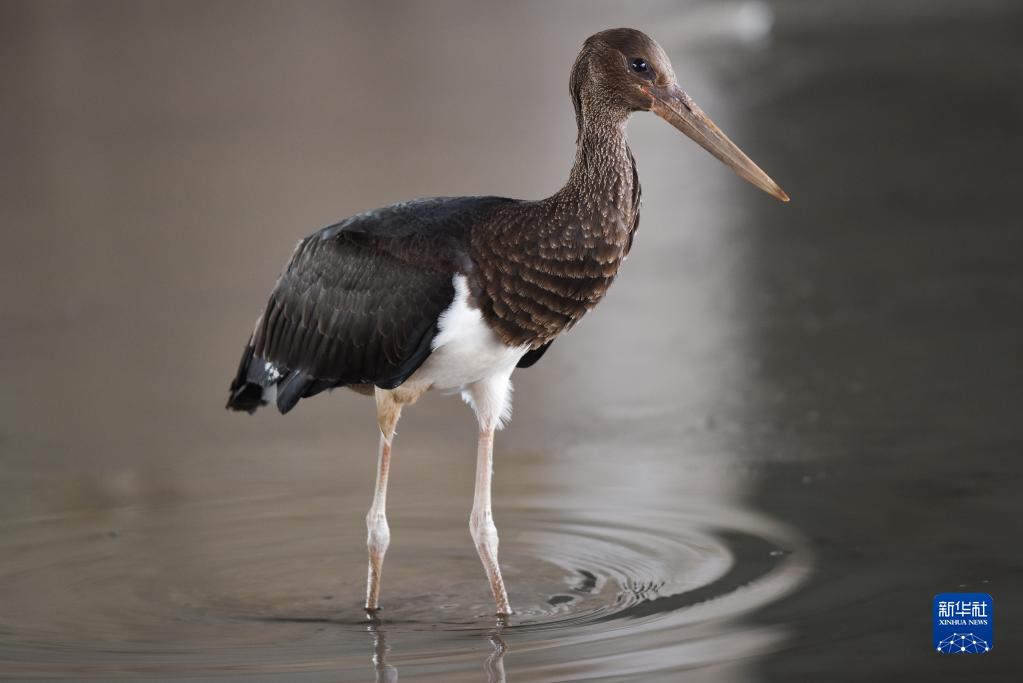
{"x":456,"y":293}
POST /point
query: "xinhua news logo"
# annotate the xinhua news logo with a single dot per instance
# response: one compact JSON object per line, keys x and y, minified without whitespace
{"x":963,"y":623}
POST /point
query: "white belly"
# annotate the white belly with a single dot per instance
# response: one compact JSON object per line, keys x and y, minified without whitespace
{"x":465,"y":349}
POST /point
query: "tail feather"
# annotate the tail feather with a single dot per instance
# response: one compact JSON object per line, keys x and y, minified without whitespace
{"x":245,"y":395}
{"x":259,"y":382}
{"x":291,"y":389}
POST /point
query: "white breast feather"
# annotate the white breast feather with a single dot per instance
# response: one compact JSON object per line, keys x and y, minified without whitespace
{"x":465,"y":349}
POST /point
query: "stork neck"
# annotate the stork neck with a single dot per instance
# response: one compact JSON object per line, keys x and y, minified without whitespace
{"x":603,"y":175}
{"x":544,"y":264}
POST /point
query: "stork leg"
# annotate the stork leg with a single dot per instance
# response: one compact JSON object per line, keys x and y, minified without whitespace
{"x":490,"y":399}
{"x":378,"y":534}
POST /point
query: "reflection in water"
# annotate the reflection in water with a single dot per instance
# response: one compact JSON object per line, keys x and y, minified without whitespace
{"x":257,"y":586}
{"x":493,"y":665}
{"x":385,"y":673}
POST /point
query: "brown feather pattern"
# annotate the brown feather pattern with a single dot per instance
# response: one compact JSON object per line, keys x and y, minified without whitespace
{"x":359,"y":301}
{"x":542,"y":265}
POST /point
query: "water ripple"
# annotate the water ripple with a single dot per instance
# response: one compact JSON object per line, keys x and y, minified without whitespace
{"x":273,"y":586}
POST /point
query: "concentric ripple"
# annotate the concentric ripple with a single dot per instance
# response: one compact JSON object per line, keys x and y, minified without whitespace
{"x":274,"y":586}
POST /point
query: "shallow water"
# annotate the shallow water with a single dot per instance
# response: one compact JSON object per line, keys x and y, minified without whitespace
{"x":784,"y":430}
{"x":262,"y":586}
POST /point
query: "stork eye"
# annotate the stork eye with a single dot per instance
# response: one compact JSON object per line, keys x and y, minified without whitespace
{"x":639,"y":65}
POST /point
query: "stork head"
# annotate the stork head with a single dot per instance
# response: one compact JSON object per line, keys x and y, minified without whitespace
{"x":623,"y":70}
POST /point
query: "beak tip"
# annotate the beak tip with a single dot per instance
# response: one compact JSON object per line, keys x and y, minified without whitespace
{"x":773,"y":189}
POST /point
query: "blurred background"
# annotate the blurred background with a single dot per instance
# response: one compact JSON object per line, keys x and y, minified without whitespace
{"x":785,"y":429}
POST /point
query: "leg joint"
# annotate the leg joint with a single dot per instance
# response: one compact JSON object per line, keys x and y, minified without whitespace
{"x":378,"y":535}
{"x":483,"y":530}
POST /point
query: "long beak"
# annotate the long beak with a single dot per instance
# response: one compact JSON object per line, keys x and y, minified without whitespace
{"x":678,"y":109}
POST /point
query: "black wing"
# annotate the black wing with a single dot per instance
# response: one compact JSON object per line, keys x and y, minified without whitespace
{"x":358,"y":302}
{"x":532,"y":356}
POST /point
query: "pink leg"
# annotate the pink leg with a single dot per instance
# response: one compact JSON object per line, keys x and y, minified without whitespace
{"x":378,"y":533}
{"x":489,"y":398}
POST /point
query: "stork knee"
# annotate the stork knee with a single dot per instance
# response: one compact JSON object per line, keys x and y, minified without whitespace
{"x":484,"y":532}
{"x":378,"y":534}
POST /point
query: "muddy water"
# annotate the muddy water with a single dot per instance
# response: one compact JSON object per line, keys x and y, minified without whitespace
{"x":731,"y":470}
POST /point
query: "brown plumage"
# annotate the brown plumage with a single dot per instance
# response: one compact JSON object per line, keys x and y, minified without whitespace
{"x":358,"y":302}
{"x":455,"y":292}
{"x":541,"y":265}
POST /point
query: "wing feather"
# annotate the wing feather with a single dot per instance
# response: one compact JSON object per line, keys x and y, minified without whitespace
{"x":358,"y":302}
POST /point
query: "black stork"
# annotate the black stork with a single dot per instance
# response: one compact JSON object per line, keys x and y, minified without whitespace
{"x":454,"y":293}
